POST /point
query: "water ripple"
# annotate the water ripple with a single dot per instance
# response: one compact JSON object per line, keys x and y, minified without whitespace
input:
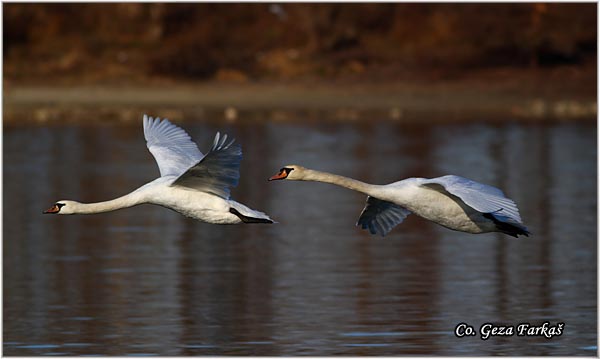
{"x":39,"y":346}
{"x":373,"y":345}
{"x":372,"y":334}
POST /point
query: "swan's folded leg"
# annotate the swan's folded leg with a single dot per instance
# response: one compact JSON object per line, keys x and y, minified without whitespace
{"x":248,"y":215}
{"x":507,"y":226}
{"x":247,"y":219}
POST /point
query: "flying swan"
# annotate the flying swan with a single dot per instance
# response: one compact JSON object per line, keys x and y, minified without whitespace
{"x":451,"y":201}
{"x":193,"y":184}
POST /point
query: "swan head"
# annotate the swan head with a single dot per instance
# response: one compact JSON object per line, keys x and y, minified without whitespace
{"x":289,"y":172}
{"x":62,"y":207}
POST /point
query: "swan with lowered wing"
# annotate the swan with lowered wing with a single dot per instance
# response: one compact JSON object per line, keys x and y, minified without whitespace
{"x":452,"y":201}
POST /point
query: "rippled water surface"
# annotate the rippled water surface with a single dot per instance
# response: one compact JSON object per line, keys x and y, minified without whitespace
{"x":146,"y":280}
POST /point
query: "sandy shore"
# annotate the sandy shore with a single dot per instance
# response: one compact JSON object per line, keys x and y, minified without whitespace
{"x":345,"y":101}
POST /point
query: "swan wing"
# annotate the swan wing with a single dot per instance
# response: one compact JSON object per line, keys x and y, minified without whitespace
{"x":381,"y":216}
{"x":481,"y":197}
{"x":172,"y":148}
{"x":217,"y":171}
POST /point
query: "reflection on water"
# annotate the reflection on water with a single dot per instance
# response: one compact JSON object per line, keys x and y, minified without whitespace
{"x":148,"y":281}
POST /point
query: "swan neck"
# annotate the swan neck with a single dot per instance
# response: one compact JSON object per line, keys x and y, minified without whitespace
{"x":126,"y":201}
{"x":350,"y":183}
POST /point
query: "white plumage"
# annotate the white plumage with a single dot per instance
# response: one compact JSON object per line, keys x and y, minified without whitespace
{"x":193,"y":184}
{"x":451,"y":201}
{"x":481,"y":197}
{"x":172,"y":148}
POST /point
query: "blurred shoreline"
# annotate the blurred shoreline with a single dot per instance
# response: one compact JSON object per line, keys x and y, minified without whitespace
{"x":93,"y":63}
{"x":524,"y":95}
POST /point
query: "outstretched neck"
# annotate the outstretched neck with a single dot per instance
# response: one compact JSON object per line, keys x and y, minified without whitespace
{"x":126,"y":201}
{"x":355,"y":185}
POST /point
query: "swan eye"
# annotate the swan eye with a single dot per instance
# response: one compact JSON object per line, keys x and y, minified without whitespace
{"x":286,"y":170}
{"x":59,"y":205}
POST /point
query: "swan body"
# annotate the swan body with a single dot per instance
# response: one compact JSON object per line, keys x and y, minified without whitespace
{"x":451,"y":201}
{"x":192,"y":184}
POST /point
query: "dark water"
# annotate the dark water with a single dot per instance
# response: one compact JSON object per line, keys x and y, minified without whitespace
{"x":146,"y":280}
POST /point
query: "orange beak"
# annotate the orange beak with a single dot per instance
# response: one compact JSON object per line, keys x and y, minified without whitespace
{"x":53,"y":209}
{"x":281,"y":175}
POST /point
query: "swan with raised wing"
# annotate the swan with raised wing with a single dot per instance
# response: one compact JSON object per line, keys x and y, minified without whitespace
{"x":193,"y":184}
{"x":451,"y":201}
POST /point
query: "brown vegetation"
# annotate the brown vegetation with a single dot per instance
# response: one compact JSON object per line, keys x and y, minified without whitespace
{"x":136,"y":42}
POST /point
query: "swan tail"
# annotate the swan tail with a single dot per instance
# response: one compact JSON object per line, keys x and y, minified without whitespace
{"x":248,"y":219}
{"x":248,"y":215}
{"x":506,"y":226}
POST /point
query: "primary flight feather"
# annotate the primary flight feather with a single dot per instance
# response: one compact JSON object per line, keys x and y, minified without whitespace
{"x":452,"y":201}
{"x":193,"y":184}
